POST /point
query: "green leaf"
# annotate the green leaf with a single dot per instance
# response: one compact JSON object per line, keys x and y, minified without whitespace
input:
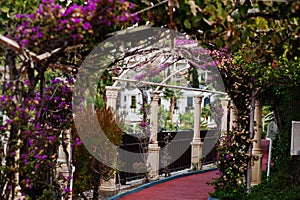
{"x":187,"y":24}
{"x":198,"y":18}
{"x":243,"y":10}
{"x":5,"y":9}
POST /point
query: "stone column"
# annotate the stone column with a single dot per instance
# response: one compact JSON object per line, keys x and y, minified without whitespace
{"x":224,"y":122}
{"x":153,"y":149}
{"x":256,"y":168}
{"x":18,"y":194}
{"x":233,"y":117}
{"x":62,"y":166}
{"x":111,"y":96}
{"x":196,"y":159}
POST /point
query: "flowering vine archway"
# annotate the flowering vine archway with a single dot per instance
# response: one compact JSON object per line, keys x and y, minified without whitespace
{"x":152,"y":58}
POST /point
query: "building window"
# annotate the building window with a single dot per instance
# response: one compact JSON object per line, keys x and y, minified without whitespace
{"x":133,"y":102}
{"x":124,"y":98}
{"x":190,"y":102}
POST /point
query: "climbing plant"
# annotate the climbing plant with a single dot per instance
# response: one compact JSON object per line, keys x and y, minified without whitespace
{"x":37,"y":109}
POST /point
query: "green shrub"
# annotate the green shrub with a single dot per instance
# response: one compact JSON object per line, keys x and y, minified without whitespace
{"x":279,"y":186}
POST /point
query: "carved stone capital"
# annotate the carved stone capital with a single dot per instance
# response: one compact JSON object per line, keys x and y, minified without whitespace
{"x":198,"y":99}
{"x":112,"y":92}
{"x":155,"y":96}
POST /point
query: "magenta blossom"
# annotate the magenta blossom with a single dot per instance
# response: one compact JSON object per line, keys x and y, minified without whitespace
{"x":143,"y":124}
{"x":78,"y":141}
{"x":227,"y":157}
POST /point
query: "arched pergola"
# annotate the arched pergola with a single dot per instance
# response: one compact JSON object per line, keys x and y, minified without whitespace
{"x":132,"y":69}
{"x":137,"y":57}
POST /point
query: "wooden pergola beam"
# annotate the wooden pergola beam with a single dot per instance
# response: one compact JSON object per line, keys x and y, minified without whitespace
{"x":13,"y":45}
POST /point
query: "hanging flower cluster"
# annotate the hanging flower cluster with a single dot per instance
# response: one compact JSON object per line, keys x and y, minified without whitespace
{"x":54,"y":24}
{"x":232,"y":161}
{"x":36,"y":130}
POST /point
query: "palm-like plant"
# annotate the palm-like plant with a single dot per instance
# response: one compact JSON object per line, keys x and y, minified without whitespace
{"x":206,"y":113}
{"x":172,"y":95}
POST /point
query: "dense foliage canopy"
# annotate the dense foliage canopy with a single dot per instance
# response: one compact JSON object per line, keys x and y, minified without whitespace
{"x":255,"y":45}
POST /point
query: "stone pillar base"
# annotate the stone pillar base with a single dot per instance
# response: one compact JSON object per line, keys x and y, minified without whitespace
{"x":108,"y":186}
{"x":153,"y":161}
{"x":256,"y":169}
{"x":18,"y":194}
{"x":196,"y":159}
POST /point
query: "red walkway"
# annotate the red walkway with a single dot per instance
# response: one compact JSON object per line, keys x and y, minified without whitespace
{"x":192,"y":187}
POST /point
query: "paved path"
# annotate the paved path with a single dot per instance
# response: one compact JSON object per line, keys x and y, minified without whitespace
{"x":193,"y":187}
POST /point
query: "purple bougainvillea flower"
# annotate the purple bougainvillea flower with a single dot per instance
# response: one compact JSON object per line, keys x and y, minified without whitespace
{"x":52,"y":138}
{"x":31,"y":16}
{"x":61,"y":104}
{"x":87,"y":25}
{"x":92,"y":6}
{"x":24,"y":31}
{"x":139,"y":77}
{"x":39,"y":34}
{"x":24,"y":43}
{"x":131,"y":5}
{"x":143,"y":124}
{"x":9,"y":121}
{"x":3,"y":97}
{"x":37,"y":97}
{"x":56,"y":98}
{"x":67,"y":190}
{"x":18,"y":16}
{"x":74,"y":36}
{"x":37,"y":126}
{"x":227,"y":157}
{"x":78,"y":141}
{"x":77,"y":20}
{"x":124,"y":18}
{"x":219,"y":173}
